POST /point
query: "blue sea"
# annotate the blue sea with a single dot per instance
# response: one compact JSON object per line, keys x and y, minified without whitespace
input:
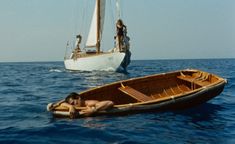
{"x":26,"y":89}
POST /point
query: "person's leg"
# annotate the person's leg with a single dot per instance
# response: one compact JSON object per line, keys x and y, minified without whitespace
{"x":119,"y":42}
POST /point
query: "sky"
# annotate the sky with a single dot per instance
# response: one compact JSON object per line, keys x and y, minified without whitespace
{"x":38,"y":30}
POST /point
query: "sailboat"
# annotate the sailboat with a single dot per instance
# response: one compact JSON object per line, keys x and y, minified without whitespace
{"x":92,"y":57}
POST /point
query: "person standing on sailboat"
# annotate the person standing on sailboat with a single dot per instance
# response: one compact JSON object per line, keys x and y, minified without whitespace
{"x":77,"y":49}
{"x":121,"y":29}
{"x":78,"y":41}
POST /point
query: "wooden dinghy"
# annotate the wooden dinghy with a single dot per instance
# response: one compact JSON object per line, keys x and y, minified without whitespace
{"x":178,"y":89}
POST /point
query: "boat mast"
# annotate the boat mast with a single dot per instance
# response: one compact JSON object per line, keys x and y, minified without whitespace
{"x":98,"y":27}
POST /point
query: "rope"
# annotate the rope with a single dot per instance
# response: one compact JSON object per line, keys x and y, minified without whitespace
{"x":111,"y":14}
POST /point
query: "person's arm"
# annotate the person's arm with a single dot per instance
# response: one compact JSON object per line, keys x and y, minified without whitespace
{"x":88,"y":111}
{"x":72,"y":110}
{"x":51,"y":106}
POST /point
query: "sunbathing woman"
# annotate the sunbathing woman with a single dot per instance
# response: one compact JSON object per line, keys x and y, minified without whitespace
{"x":74,"y":100}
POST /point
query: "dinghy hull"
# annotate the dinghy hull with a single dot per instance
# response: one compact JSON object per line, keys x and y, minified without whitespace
{"x":167,"y":91}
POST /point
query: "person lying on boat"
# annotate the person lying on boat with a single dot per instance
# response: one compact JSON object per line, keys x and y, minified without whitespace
{"x":121,"y":29}
{"x":89,"y":107}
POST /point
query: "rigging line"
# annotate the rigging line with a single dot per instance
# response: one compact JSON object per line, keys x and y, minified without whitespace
{"x":88,"y":12}
{"x":112,"y":21}
{"x":74,"y":24}
{"x":80,"y":26}
{"x":74,"y":21}
{"x":68,"y":19}
{"x":118,"y":9}
{"x":83,"y":19}
{"x":121,"y":11}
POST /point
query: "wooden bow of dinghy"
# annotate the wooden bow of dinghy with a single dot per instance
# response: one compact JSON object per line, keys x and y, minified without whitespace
{"x":167,"y":90}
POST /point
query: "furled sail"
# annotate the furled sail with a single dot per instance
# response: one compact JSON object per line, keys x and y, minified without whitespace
{"x":92,"y":36}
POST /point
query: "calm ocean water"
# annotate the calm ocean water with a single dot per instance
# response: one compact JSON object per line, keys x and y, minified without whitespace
{"x":26,"y":89}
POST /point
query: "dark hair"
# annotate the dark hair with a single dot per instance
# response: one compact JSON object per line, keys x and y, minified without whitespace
{"x":78,"y":36}
{"x":120,"y":21}
{"x":72,"y":95}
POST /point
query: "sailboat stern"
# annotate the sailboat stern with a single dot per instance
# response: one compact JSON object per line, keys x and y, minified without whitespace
{"x":103,"y":61}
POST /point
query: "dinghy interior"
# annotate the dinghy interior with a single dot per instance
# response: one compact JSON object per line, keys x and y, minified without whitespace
{"x":153,"y":88}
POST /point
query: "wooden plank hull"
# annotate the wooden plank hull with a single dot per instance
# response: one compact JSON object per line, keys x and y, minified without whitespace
{"x":180,"y":89}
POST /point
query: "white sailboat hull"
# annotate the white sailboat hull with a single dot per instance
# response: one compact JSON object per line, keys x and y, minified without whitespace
{"x":107,"y":61}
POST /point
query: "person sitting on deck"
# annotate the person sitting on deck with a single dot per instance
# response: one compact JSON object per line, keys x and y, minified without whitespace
{"x":91,"y":106}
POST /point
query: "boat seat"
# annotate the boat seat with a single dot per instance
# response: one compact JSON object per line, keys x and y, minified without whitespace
{"x":201,"y":80}
{"x":135,"y":94}
{"x":202,"y":76}
{"x":202,"y":83}
{"x":186,"y":78}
